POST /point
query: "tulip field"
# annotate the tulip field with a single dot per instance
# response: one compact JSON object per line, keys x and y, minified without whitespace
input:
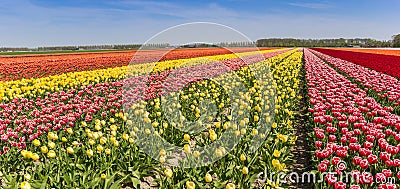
{"x":96,"y":120}
{"x":352,"y":112}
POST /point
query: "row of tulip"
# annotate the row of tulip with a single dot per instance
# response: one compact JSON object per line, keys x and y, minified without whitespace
{"x":233,"y":167}
{"x":354,"y":135}
{"x":384,"y":86}
{"x":383,"y":63}
{"x":83,"y":138}
{"x":387,"y":51}
{"x":34,"y":87}
{"x":19,"y":67}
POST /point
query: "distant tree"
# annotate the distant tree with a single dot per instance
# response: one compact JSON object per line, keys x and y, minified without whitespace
{"x":396,"y":40}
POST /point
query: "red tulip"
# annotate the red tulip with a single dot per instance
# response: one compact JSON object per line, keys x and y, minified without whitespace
{"x":340,"y":185}
{"x":355,"y":187}
{"x":384,"y":156}
{"x":318,"y":144}
{"x":335,"y":160}
{"x":322,"y":167}
{"x":364,"y":163}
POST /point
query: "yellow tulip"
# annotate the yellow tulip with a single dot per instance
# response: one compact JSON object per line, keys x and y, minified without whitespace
{"x":219,"y":152}
{"x":70,"y":150}
{"x":186,"y":147}
{"x":103,"y":140}
{"x":89,"y":153}
{"x":162,"y":159}
{"x":256,"y":118}
{"x":36,"y":142}
{"x":83,"y":124}
{"x":213,"y":135}
{"x":51,"y":154}
{"x":51,"y":144}
{"x":147,"y":131}
{"x":283,"y":138}
{"x":107,"y":151}
{"x":190,"y":185}
{"x":25,"y":185}
{"x":226,"y":125}
{"x":70,"y":131}
{"x":113,"y":127}
{"x":129,"y":122}
{"x":196,"y":154}
{"x":218,"y":124}
{"x":100,"y":148}
{"x":230,"y":186}
{"x":242,"y":157}
{"x":116,"y":143}
{"x":24,"y":153}
{"x":168,"y":173}
{"x":255,"y":132}
{"x":245,"y":170}
{"x":276,"y":163}
{"x":112,"y":120}
{"x":75,"y":143}
{"x":27,"y":176}
{"x":154,"y":124}
{"x":186,"y":137}
{"x":125,"y":136}
{"x":44,"y":149}
{"x":35,"y":157}
{"x":97,"y":127}
{"x":208,"y":178}
{"x":163,"y":152}
{"x":277,"y":153}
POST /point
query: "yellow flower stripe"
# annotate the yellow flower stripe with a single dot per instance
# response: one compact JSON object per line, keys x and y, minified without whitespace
{"x":38,"y":86}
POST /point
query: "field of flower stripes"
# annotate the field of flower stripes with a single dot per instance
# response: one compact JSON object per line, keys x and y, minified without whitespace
{"x":80,"y":120}
{"x":33,"y":66}
{"x":70,"y":129}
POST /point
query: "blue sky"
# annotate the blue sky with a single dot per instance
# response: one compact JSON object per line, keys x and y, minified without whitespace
{"x":35,"y":23}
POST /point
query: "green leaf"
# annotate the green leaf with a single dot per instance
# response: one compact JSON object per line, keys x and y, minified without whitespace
{"x":135,"y":182}
{"x":94,"y":183}
{"x":117,"y":184}
{"x":43,"y":185}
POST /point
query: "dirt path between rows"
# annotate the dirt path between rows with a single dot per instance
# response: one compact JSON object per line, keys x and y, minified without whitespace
{"x":301,"y":150}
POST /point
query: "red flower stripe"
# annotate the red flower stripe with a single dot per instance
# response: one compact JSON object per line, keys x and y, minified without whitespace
{"x":379,"y":62}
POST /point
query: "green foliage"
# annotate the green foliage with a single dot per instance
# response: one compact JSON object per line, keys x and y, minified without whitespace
{"x":396,"y":40}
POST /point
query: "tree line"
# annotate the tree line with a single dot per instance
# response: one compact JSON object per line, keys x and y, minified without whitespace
{"x":341,"y":42}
